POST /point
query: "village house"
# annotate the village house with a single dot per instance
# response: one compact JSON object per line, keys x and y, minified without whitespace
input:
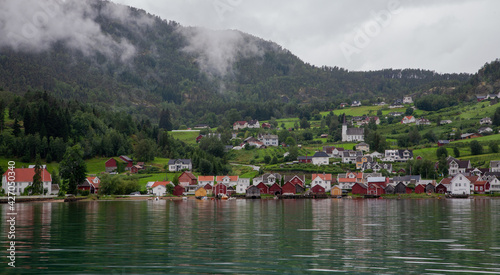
{"x":175,"y":165}
{"x":200,"y":192}
{"x":485,"y":130}
{"x":400,"y":155}
{"x":270,"y":140}
{"x":359,"y":189}
{"x":456,"y":166}
{"x":227,"y":180}
{"x":90,"y":184}
{"x":268,"y":178}
{"x":333,"y":151}
{"x":470,"y":135}
{"x":239,"y":125}
{"x":159,"y":188}
{"x":494,"y":185}
{"x":486,"y":121}
{"x":304,"y":159}
{"x":204,"y":180}
{"x":24,"y":178}
{"x":320,"y":158}
{"x":446,"y":121}
{"x":349,"y":156}
{"x":407,"y":100}
{"x":423,"y":121}
{"x":324,"y":180}
{"x":347,"y":180}
{"x":376,"y":167}
{"x":408,"y":120}
{"x":296,"y":180}
{"x":188,"y":179}
{"x":408,"y":179}
{"x":242,"y":185}
{"x":495,"y":166}
{"x":401,"y":188}
{"x":376,"y":155}
{"x":111,"y":165}
{"x":220,"y":189}
{"x":395,"y":114}
{"x":253,"y":124}
{"x":457,"y":185}
{"x":361,"y":160}
{"x":363,"y":147}
{"x":356,"y":103}
{"x":366,"y":121}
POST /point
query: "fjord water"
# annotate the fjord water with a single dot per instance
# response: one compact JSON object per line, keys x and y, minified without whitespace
{"x":256,"y":236}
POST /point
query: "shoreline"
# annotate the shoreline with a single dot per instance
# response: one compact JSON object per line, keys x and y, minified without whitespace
{"x":4,"y":200}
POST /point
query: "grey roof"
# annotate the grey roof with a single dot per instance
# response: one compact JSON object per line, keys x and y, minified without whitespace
{"x":126,"y":158}
{"x":355,"y":131}
{"x":407,"y":178}
{"x":495,"y":163}
{"x":304,"y":157}
{"x":320,"y":155}
{"x":184,"y":161}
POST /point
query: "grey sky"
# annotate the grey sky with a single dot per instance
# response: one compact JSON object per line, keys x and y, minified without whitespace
{"x":445,"y":36}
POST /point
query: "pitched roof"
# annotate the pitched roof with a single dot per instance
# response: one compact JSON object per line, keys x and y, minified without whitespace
{"x":289,"y":178}
{"x":184,"y":161}
{"x":231,"y":178}
{"x":205,"y":178}
{"x":355,"y":131}
{"x":26,"y":174}
{"x":158,"y":183}
{"x":325,"y":177}
{"x":189,"y":174}
{"x":320,"y":155}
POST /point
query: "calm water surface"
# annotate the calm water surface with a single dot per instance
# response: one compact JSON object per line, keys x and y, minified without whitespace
{"x":257,"y":237}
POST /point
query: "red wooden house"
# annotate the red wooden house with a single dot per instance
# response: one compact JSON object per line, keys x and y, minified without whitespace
{"x":187,"y":178}
{"x":359,"y":189}
{"x":441,"y":189}
{"x":480,"y":187}
{"x":128,"y":162}
{"x":419,"y":189}
{"x":178,"y":191}
{"x":301,"y":180}
{"x":111,"y":165}
{"x":288,"y":188}
{"x":264,"y":189}
{"x":220,"y":189}
{"x":275,"y":189}
{"x":376,"y":190}
{"x":318,"y":189}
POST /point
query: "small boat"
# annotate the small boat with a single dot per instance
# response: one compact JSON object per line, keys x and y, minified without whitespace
{"x":157,"y":199}
{"x":184,"y":198}
{"x":223,"y":197}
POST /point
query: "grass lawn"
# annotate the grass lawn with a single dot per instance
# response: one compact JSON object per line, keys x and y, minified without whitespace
{"x":356,"y":111}
{"x":188,"y":137}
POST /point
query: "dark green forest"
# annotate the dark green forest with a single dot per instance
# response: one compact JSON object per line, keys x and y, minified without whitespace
{"x":162,"y":75}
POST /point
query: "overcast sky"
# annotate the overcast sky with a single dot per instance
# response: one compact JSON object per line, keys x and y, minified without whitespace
{"x":445,"y":36}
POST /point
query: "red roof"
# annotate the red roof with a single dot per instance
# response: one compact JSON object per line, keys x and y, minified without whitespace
{"x":240,"y":122}
{"x":325,"y":177}
{"x":26,"y":174}
{"x":91,"y":181}
{"x":205,"y":178}
{"x":446,"y":181}
{"x":347,"y":180}
{"x":480,"y":183}
{"x":158,"y":183}
{"x":231,"y":178}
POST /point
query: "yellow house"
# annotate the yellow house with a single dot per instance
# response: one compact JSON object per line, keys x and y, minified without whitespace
{"x":336,"y":191}
{"x":200,"y":192}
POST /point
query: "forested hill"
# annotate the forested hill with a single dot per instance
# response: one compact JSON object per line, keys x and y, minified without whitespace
{"x":140,"y":63}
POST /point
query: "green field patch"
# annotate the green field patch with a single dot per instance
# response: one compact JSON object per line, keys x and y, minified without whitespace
{"x":188,"y":137}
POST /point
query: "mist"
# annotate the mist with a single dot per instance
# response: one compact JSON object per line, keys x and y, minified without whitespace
{"x":34,"y":26}
{"x":217,"y":51}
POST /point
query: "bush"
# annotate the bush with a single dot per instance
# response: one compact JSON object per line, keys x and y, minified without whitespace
{"x":84,"y":192}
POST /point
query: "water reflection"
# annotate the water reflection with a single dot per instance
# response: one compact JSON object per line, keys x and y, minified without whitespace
{"x":258,"y":236}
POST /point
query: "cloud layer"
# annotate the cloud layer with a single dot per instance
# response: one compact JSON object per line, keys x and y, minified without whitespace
{"x":446,"y":36}
{"x":32,"y":25}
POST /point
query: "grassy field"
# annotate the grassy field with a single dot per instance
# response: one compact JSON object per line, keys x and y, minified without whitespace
{"x":188,"y":137}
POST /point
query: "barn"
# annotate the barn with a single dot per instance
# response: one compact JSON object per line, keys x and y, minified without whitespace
{"x":318,"y":189}
{"x":336,"y":191}
{"x":359,"y":189}
{"x":253,"y":192}
{"x":419,"y":189}
{"x":200,"y":192}
{"x":441,"y":189}
{"x":264,"y":189}
{"x":375,"y":189}
{"x":288,"y":188}
{"x":275,"y":189}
